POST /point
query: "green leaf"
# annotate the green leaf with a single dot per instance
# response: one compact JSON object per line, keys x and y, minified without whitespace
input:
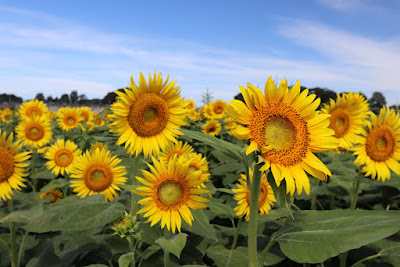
{"x":125,"y":260}
{"x":73,"y":214}
{"x":389,"y":250}
{"x":22,"y":216}
{"x":103,"y":138}
{"x":54,"y":184}
{"x":45,"y":174}
{"x":221,"y":210}
{"x":215,"y":143}
{"x":201,"y":225}
{"x":315,"y":236}
{"x":173,"y":245}
{"x":228,"y":258}
{"x":282,"y":199}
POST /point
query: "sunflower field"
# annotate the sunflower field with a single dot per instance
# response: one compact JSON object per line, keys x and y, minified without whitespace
{"x":275,"y":179}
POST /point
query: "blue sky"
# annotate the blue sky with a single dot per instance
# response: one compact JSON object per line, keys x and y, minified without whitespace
{"x":94,"y":47}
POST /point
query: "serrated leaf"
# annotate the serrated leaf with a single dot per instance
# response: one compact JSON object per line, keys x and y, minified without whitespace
{"x":126,"y":259}
{"x":223,"y":257}
{"x":173,"y":245}
{"x":315,"y":236}
{"x":73,"y":214}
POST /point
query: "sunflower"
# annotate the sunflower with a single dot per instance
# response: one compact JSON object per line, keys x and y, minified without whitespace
{"x":86,"y":114}
{"x":62,"y":157}
{"x":99,"y":145}
{"x":178,"y":149}
{"x":286,"y":127}
{"x":194,"y":115}
{"x":69,"y":118}
{"x":6,"y":115}
{"x":56,"y":195}
{"x":207,"y":111}
{"x":35,"y":131}
{"x":98,"y":120}
{"x":218,"y":109}
{"x":190,"y":104}
{"x":97,"y":173}
{"x":199,"y":163}
{"x":147,"y":117}
{"x":33,"y":108}
{"x":212,"y":127}
{"x":348,"y":116}
{"x":12,"y":166}
{"x":242,"y":195}
{"x":170,"y":190}
{"x":379,"y":148}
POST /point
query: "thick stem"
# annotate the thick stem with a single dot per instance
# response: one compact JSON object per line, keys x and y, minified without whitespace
{"x":236,"y":234}
{"x":134,"y":207}
{"x":166,"y":253}
{"x":13,"y":254}
{"x":252,"y":239}
{"x":34,"y":169}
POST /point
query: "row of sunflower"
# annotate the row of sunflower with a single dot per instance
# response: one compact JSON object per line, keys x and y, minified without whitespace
{"x":192,"y":176}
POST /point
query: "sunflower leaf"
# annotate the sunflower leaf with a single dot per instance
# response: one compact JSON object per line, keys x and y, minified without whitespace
{"x":201,"y":225}
{"x":126,"y":259}
{"x":223,"y":257}
{"x":315,"y":236}
{"x":173,"y":245}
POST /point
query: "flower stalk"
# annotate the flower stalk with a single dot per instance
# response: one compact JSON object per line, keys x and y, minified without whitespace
{"x":252,"y":238}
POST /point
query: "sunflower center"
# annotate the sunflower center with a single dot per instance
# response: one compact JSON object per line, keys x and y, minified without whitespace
{"x":170,"y":193}
{"x":98,"y":178}
{"x":148,"y":115}
{"x":33,"y":111}
{"x":380,"y":143}
{"x":34,"y":131}
{"x":85,"y":115}
{"x":6,"y":164}
{"x":339,"y":122}
{"x":218,"y":109}
{"x":281,"y":133}
{"x":211,"y":129}
{"x":261,"y":197}
{"x":97,"y":120}
{"x":70,"y":120}
{"x":63,"y":157}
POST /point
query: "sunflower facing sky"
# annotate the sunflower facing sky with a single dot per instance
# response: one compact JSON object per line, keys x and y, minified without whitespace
{"x":212,"y":127}
{"x":170,"y":192}
{"x":379,"y":148}
{"x":62,"y":156}
{"x":35,"y":131}
{"x":32,"y":108}
{"x":147,"y":116}
{"x":97,"y":173}
{"x":242,"y":196}
{"x":12,"y":166}
{"x":284,"y":125}
{"x":69,"y":118}
{"x":348,"y":116}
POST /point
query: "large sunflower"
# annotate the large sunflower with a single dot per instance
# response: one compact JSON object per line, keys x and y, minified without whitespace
{"x":170,"y":190}
{"x":147,"y":117}
{"x":348,"y":116}
{"x":286,"y":127}
{"x":12,"y":166}
{"x":69,"y":118}
{"x":242,"y":195}
{"x":97,"y":173}
{"x":32,"y":108}
{"x":35,"y":131}
{"x":178,"y":149}
{"x":62,"y":157}
{"x":379,"y":148}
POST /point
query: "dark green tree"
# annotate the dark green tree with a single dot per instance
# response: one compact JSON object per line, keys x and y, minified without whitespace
{"x":73,"y":97}
{"x":39,"y":96}
{"x":64,"y":99}
{"x":377,"y":101}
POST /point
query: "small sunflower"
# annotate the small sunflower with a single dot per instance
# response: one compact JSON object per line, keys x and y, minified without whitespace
{"x":33,"y":108}
{"x":97,"y":173}
{"x":218,"y":109}
{"x":55,"y":195}
{"x":6,"y":115}
{"x":193,"y":115}
{"x":86,"y":114}
{"x":169,"y":193}
{"x":212,"y":127}
{"x":177,"y":149}
{"x":69,"y":118}
{"x":348,"y":116}
{"x":147,"y":117}
{"x":62,"y":157}
{"x":35,"y":131}
{"x":379,"y":148}
{"x":242,"y":195}
{"x":207,"y":111}
{"x":190,"y":104}
{"x":285,"y":125}
{"x":98,"y":120}
{"x":99,"y":145}
{"x":12,"y":166}
{"x":199,"y":163}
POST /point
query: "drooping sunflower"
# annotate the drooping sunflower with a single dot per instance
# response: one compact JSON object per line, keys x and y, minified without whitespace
{"x":348,"y":116}
{"x":68,"y":118}
{"x":147,"y":117}
{"x":32,"y":108}
{"x":62,"y":157}
{"x":34,"y":131}
{"x":12,"y":166}
{"x":169,"y":193}
{"x":97,"y":173}
{"x":212,"y":127}
{"x":242,"y":195}
{"x":379,"y":147}
{"x":199,"y":163}
{"x":190,"y":104}
{"x":178,"y":149}
{"x":55,"y":195}
{"x":218,"y":109}
{"x":286,"y":127}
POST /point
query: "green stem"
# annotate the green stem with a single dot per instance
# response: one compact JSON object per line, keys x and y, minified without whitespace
{"x":134,"y":207}
{"x":20,"y":249}
{"x":13,"y":255}
{"x":34,"y":169}
{"x":236,"y":234}
{"x":252,"y":239}
{"x":132,"y":248}
{"x":366,"y":259}
{"x":265,"y":251}
{"x":166,"y":253}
